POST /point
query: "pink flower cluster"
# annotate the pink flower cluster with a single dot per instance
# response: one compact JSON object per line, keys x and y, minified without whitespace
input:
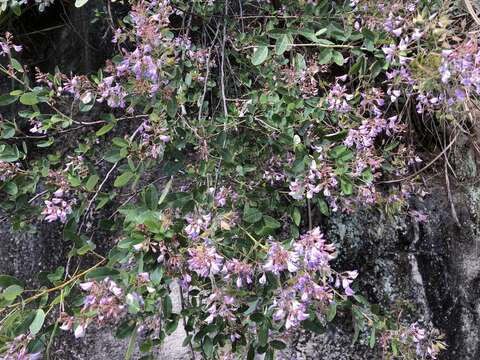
{"x":204,"y":260}
{"x":105,"y":299}
{"x":320,"y":178}
{"x":154,"y":138}
{"x":241,"y":271}
{"x":313,"y":280}
{"x":7,"y":45}
{"x":338,"y":97}
{"x":415,"y":340}
{"x":58,"y":208}
{"x":197,"y":223}
{"x":221,"y":304}
{"x":17,"y":349}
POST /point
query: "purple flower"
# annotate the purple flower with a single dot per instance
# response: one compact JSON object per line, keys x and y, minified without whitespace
{"x":445,"y":72}
{"x":280,"y":259}
{"x":389,"y":51}
{"x":196,"y":224}
{"x":296,"y":315}
{"x":346,"y":279}
{"x":86,"y":286}
{"x":204,"y":260}
{"x":337,"y":98}
{"x":460,"y":94}
{"x":57,"y":208}
{"x":241,"y":270}
{"x":314,"y":252}
{"x":7,"y":45}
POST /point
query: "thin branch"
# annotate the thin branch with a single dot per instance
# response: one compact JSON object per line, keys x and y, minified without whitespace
{"x":472,"y":11}
{"x":94,"y":197}
{"x":393,"y":181}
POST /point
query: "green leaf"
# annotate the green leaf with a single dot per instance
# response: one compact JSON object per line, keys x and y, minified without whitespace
{"x":86,"y":248}
{"x":11,"y":188}
{"x":208,"y":346}
{"x":165,"y":191}
{"x":332,"y":311}
{"x":29,"y":98}
{"x":151,"y":197}
{"x":251,"y":215}
{"x":7,"y":99}
{"x":371,"y":342}
{"x":167,"y":306}
{"x":11,"y":292}
{"x":277,"y":344}
{"x":75,"y":181}
{"x":325,"y":42}
{"x":9,"y":153}
{"x":337,"y":58}
{"x":282,"y":44}
{"x":104,"y":129}
{"x":133,"y":303}
{"x":172,"y":324}
{"x":37,"y":322}
{"x":91,"y":182}
{"x":325,"y":56}
{"x":172,"y":107}
{"x":262,"y":333}
{"x":156,"y":275}
{"x":122,"y":143}
{"x":7,"y":280}
{"x":132,"y":342}
{"x":57,"y":275}
{"x":271,"y":223}
{"x":123,"y":179}
{"x":260,"y":55}
{"x":115,"y":155}
{"x":125,"y":329}
{"x":8,"y":132}
{"x":46,"y":143}
{"x":80,"y":3}
{"x":309,"y":34}
{"x":101,"y":273}
{"x":257,"y":317}
{"x":16,"y":65}
{"x":296,"y":216}
{"x":252,"y":307}
{"x":346,"y":186}
{"x":146,"y":346}
{"x":313,"y":326}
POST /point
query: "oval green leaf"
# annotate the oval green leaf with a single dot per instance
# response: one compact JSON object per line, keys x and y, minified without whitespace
{"x":37,"y":322}
{"x":123,"y":179}
{"x":29,"y":98}
{"x":260,"y":55}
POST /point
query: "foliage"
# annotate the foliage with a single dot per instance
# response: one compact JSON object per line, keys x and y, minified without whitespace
{"x":205,"y":147}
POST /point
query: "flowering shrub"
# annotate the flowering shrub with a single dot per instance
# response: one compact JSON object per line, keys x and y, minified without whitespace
{"x":205,"y":147}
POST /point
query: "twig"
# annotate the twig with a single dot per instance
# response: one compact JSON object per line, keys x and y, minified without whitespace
{"x":472,"y":12}
{"x":393,"y":181}
{"x":58,"y":287}
{"x":114,"y":166}
{"x":449,"y":193}
{"x":182,"y":302}
{"x":37,"y":196}
{"x":133,"y":195}
{"x":309,"y":209}
{"x":202,"y":98}
{"x":342,"y":46}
